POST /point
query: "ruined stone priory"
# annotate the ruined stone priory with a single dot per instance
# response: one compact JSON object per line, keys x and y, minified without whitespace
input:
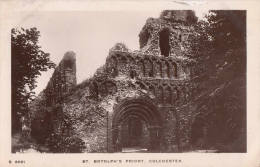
{"x":137,"y":99}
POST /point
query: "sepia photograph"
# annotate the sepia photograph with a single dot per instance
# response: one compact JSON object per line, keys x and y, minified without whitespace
{"x":161,"y":81}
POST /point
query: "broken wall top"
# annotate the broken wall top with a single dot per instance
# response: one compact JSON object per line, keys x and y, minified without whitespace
{"x":169,"y":34}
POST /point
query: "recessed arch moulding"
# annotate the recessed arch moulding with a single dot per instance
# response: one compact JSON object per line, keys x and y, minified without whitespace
{"x":141,"y":109}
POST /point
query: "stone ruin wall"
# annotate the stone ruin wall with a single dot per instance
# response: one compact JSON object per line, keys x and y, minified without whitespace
{"x":126,"y":74}
{"x":44,"y":110}
{"x":179,"y":28}
{"x":62,"y":80}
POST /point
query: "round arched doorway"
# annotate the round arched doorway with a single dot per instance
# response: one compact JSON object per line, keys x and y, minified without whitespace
{"x":136,"y":126}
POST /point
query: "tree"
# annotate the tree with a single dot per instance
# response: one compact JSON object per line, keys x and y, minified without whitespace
{"x":220,"y":46}
{"x":27,"y":62}
{"x":221,"y":40}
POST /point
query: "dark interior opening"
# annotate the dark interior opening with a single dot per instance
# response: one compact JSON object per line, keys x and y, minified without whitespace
{"x":164,"y":42}
{"x":133,"y":134}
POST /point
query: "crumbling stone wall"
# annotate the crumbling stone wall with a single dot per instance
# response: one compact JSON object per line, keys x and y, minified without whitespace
{"x":179,"y":26}
{"x":46,"y":109}
{"x":62,"y":80}
{"x":146,"y":77}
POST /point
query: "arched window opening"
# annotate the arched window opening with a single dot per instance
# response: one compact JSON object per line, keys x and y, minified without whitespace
{"x":174,"y":68}
{"x":164,"y":41}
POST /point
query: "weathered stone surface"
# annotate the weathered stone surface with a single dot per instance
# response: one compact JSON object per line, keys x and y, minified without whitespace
{"x":150,"y":85}
{"x":44,"y":108}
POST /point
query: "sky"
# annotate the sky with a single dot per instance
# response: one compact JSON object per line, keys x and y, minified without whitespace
{"x":90,"y":34}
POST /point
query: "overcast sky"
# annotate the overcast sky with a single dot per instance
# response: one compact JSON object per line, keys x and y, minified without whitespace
{"x":89,"y":34}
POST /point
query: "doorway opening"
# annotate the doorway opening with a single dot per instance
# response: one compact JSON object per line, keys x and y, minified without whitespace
{"x":136,"y":127}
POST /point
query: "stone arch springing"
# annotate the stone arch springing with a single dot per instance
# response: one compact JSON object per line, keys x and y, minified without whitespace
{"x":164,"y":42}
